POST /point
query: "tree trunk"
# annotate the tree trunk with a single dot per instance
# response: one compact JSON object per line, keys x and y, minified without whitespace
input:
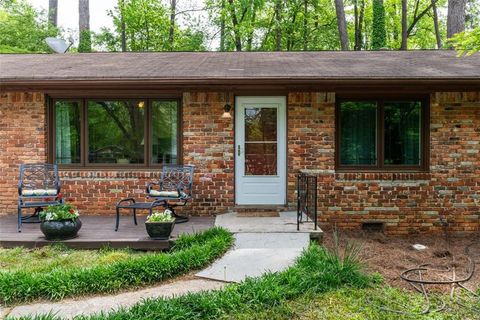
{"x":404,"y":25}
{"x":222,"y":27}
{"x":83,"y":15}
{"x":254,"y":18}
{"x":435,"y":23}
{"x":171,"y":32}
{"x":342,"y":24}
{"x":53,"y":12}
{"x":455,"y":17}
{"x":379,"y":33}
{"x":236,"y":31}
{"x":85,"y":42}
{"x":359,"y":24}
{"x":122,"y":26}
{"x":278,"y":25}
{"x":305,"y":25}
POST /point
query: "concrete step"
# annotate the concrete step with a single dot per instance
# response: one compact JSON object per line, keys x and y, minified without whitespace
{"x":259,"y":210}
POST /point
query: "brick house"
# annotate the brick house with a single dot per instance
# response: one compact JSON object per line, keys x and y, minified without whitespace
{"x":393,"y":137}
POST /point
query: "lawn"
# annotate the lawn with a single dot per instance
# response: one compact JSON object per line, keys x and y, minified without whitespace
{"x":323,"y":284}
{"x":55,"y":273}
{"x":52,"y":257}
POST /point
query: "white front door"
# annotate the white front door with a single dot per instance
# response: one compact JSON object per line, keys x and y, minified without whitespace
{"x":260,"y":154}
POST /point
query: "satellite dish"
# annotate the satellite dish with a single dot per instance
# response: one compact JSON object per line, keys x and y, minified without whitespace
{"x":58,"y":45}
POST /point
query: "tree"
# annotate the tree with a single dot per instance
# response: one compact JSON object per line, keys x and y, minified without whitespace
{"x":144,"y":25}
{"x":359,"y":17}
{"x":342,"y":24}
{"x":171,"y":31}
{"x":467,"y":42}
{"x":404,"y":25}
{"x":379,"y":39}
{"x":24,"y":29}
{"x":278,"y":25}
{"x":455,"y":17}
{"x":85,"y":42}
{"x":438,"y":36}
{"x":53,"y":12}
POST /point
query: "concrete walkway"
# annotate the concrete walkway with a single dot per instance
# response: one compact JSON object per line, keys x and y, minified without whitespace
{"x":255,"y":254}
{"x":71,"y":308}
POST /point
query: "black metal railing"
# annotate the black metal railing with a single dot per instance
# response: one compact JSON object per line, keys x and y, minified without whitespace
{"x":306,"y":198}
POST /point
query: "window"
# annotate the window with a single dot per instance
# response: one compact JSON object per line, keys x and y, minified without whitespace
{"x":114,"y":132}
{"x":382,"y":134}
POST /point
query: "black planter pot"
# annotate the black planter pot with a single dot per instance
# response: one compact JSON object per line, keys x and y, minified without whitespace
{"x":61,"y":229}
{"x":159,"y":230}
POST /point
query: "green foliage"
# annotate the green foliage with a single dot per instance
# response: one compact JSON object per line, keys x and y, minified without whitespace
{"x":192,"y":253}
{"x":467,"y":42}
{"x":46,"y":259}
{"x":314,"y":273}
{"x":85,"y":42}
{"x":160,"y":216}
{"x":379,"y":39}
{"x":59,"y":212}
{"x":23,"y":29}
{"x":147,"y":25}
{"x":362,"y":303}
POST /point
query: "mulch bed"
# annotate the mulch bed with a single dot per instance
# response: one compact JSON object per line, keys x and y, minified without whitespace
{"x":391,"y":255}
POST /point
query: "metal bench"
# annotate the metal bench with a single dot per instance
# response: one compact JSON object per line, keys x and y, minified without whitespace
{"x":38,"y":188}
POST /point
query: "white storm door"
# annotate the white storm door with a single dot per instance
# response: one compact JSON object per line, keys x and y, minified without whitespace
{"x":260,"y":150}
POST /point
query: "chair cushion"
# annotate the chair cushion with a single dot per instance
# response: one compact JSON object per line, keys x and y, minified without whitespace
{"x":167,"y":194}
{"x":39,"y":192}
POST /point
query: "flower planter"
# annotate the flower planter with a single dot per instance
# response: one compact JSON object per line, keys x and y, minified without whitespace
{"x":60,"y":229}
{"x":160,"y":230}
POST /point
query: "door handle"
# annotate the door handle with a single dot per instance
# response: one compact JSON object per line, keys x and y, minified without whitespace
{"x":239,"y":150}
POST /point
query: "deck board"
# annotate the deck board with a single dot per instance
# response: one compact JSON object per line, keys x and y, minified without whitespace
{"x":98,"y":232}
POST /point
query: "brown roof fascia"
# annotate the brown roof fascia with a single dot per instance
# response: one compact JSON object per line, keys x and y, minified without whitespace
{"x":290,"y":84}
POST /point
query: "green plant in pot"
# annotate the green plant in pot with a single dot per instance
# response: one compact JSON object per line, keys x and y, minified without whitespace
{"x":160,"y":224}
{"x":60,"y":222}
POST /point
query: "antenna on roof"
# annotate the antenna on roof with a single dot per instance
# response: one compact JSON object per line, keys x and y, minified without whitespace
{"x":58,"y":45}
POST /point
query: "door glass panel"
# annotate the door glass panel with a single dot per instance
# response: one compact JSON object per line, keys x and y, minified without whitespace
{"x":261,"y":141}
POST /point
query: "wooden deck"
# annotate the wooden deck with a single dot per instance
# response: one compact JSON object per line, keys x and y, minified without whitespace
{"x":98,"y":232}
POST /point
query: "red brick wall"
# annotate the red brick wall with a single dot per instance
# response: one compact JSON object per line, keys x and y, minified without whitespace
{"x":22,"y":140}
{"x":406,"y":203}
{"x":207,"y":144}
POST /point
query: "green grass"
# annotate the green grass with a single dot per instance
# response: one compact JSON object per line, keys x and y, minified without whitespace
{"x":316,"y":271}
{"x":321,"y":285}
{"x":189,"y":253}
{"x":53,"y":257}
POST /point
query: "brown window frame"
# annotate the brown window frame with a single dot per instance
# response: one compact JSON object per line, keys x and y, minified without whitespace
{"x":83,"y":102}
{"x":380,"y":134}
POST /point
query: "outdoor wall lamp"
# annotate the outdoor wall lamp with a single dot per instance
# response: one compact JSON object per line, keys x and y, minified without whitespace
{"x":226,"y":111}
{"x":227,"y":108}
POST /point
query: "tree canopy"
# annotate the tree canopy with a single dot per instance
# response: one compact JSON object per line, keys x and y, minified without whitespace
{"x":256,"y":25}
{"x":23,"y":29}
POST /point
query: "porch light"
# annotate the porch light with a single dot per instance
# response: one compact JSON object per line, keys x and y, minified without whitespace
{"x":226,"y":111}
{"x":141,"y":104}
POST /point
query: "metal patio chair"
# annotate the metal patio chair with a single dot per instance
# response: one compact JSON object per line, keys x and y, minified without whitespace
{"x":38,"y":187}
{"x":174,"y":188}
